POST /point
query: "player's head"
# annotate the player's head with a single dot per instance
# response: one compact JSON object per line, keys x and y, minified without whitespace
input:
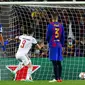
{"x":31,"y":31}
{"x":54,"y":17}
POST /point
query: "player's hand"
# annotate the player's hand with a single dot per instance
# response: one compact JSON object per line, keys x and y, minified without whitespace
{"x":42,"y":45}
{"x":16,"y":37}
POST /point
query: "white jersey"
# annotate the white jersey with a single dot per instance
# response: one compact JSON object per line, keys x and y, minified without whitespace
{"x":25,"y":44}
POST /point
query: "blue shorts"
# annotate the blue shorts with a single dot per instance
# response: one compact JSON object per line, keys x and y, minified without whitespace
{"x":55,"y":53}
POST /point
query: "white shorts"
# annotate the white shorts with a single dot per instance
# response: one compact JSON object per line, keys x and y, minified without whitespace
{"x":24,"y":59}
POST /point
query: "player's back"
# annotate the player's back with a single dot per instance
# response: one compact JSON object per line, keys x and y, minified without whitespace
{"x":25,"y":44}
{"x":56,"y":33}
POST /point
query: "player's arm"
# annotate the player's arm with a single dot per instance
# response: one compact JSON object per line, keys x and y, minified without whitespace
{"x":48,"y":33}
{"x":38,"y":46}
{"x":62,"y":37}
{"x":17,"y":37}
{"x":13,"y":39}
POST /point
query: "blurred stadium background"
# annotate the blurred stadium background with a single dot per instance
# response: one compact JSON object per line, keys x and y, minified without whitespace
{"x":17,"y":18}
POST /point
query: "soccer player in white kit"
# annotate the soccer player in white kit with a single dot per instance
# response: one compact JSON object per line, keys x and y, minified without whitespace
{"x":25,"y":45}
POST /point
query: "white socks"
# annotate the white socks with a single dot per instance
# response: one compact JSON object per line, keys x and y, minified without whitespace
{"x":29,"y":74}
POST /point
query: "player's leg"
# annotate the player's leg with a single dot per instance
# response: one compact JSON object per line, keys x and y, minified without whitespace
{"x":52,"y":57}
{"x":29,"y":73}
{"x":59,"y":69}
{"x":58,"y":61}
{"x":20,"y":65}
{"x":55,"y":68}
{"x":57,"y":57}
{"x":27,"y":62}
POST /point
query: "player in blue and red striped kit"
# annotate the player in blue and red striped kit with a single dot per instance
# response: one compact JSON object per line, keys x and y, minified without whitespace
{"x":55,"y":39}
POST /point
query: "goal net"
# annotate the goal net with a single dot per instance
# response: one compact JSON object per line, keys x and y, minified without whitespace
{"x":22,"y":17}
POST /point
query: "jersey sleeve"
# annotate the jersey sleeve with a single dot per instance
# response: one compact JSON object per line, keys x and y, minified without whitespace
{"x":34,"y":41}
{"x":0,"y":28}
{"x":48,"y":33}
{"x":62,"y":37}
{"x":20,"y":37}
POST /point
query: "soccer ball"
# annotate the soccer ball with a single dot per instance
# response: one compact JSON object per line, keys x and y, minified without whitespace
{"x":82,"y":75}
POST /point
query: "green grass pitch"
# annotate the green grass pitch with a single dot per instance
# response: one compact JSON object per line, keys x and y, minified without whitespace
{"x":43,"y":82}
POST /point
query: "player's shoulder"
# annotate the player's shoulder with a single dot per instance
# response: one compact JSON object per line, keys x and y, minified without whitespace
{"x":50,"y":25}
{"x":21,"y":35}
{"x":24,"y":35}
{"x":54,"y":23}
{"x":33,"y":38}
{"x":60,"y":24}
{"x":27,"y":36}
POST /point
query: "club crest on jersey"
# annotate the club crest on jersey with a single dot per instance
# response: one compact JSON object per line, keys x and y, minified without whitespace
{"x":22,"y":73}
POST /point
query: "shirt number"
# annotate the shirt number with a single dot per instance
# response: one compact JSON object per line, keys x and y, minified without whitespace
{"x":56,"y":32}
{"x":23,"y":43}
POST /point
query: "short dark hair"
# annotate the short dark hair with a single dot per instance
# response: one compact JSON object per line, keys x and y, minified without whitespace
{"x":26,"y":30}
{"x":30,"y":30}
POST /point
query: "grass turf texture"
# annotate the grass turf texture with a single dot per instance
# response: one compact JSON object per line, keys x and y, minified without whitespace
{"x":43,"y":82}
